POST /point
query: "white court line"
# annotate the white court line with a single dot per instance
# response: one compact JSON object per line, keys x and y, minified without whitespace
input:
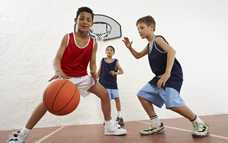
{"x":49,"y":135}
{"x":184,"y":130}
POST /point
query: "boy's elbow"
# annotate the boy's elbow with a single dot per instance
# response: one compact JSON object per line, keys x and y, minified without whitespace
{"x":174,"y":52}
{"x":138,"y":56}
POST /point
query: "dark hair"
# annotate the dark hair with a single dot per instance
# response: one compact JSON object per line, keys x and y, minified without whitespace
{"x":84,"y":9}
{"x":80,"y":10}
{"x":111,"y":48}
{"x":148,"y":20}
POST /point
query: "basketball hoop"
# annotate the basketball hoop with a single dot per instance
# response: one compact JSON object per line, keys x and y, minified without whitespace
{"x":105,"y":28}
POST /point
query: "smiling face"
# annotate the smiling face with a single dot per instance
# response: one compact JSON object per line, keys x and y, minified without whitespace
{"x":84,"y":22}
{"x":145,"y":31}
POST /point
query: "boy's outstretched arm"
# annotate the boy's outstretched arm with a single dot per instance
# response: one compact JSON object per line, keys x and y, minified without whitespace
{"x":136,"y":54}
{"x":93,"y":65}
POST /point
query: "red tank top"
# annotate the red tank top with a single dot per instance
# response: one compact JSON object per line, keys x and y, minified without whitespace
{"x":75,"y":60}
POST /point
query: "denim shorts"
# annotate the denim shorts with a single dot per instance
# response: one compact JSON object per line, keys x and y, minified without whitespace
{"x":113,"y":93}
{"x":159,"y":96}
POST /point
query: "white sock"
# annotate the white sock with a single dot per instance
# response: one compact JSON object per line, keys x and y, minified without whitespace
{"x":198,"y":120}
{"x":118,"y":113}
{"x":155,"y":121}
{"x":25,"y":131}
{"x":110,"y":126}
{"x":109,"y":122}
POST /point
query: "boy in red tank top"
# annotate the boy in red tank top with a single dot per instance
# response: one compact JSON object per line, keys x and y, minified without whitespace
{"x":76,"y":52}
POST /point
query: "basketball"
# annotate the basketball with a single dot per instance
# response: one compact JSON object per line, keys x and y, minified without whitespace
{"x":61,"y":97}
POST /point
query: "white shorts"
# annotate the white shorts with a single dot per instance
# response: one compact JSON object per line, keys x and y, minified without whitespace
{"x":83,"y":83}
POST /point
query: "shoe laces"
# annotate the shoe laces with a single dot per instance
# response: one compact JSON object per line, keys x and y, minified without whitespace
{"x":17,"y":136}
{"x":150,"y":127}
{"x":197,"y":126}
{"x":117,"y":125}
{"x":113,"y":126}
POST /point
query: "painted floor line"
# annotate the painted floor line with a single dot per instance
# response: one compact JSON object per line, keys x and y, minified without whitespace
{"x":189,"y":131}
{"x":49,"y":135}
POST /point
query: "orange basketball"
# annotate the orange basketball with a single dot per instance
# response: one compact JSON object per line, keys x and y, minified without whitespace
{"x":61,"y":97}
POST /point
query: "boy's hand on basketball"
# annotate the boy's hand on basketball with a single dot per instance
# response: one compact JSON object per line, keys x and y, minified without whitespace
{"x":59,"y":75}
{"x":53,"y":77}
{"x":127,"y":42}
{"x":163,"y":79}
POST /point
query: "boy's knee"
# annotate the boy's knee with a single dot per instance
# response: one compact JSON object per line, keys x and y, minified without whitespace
{"x":106,"y":96}
{"x":105,"y":92}
{"x":170,"y":108}
{"x":140,"y":98}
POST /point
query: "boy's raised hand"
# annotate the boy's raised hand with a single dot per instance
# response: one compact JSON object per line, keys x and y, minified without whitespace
{"x":127,"y":42}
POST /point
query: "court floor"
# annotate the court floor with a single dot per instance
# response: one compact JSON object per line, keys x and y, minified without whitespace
{"x":178,"y":130}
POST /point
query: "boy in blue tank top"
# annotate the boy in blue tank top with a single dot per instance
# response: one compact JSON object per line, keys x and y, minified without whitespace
{"x":165,"y":87}
{"x":108,"y":71}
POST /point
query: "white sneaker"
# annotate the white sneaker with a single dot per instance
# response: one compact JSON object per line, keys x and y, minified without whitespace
{"x":17,"y":137}
{"x":152,"y":130}
{"x":113,"y":129}
{"x":200,"y":129}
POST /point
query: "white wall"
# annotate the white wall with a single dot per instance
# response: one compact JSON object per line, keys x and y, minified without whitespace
{"x":30,"y":33}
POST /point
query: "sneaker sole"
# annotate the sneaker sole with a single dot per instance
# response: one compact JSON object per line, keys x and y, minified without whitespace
{"x":200,"y":135}
{"x":115,"y":134}
{"x":159,"y":131}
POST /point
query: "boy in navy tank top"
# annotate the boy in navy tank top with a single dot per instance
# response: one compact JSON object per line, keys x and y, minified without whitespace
{"x":76,"y":52}
{"x":164,"y":87}
{"x":108,"y":71}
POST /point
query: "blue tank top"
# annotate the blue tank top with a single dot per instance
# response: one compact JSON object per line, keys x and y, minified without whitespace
{"x":157,"y":60}
{"x":105,"y":78}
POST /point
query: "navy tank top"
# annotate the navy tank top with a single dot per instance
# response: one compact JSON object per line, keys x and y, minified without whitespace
{"x":105,"y":78}
{"x":157,"y":59}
